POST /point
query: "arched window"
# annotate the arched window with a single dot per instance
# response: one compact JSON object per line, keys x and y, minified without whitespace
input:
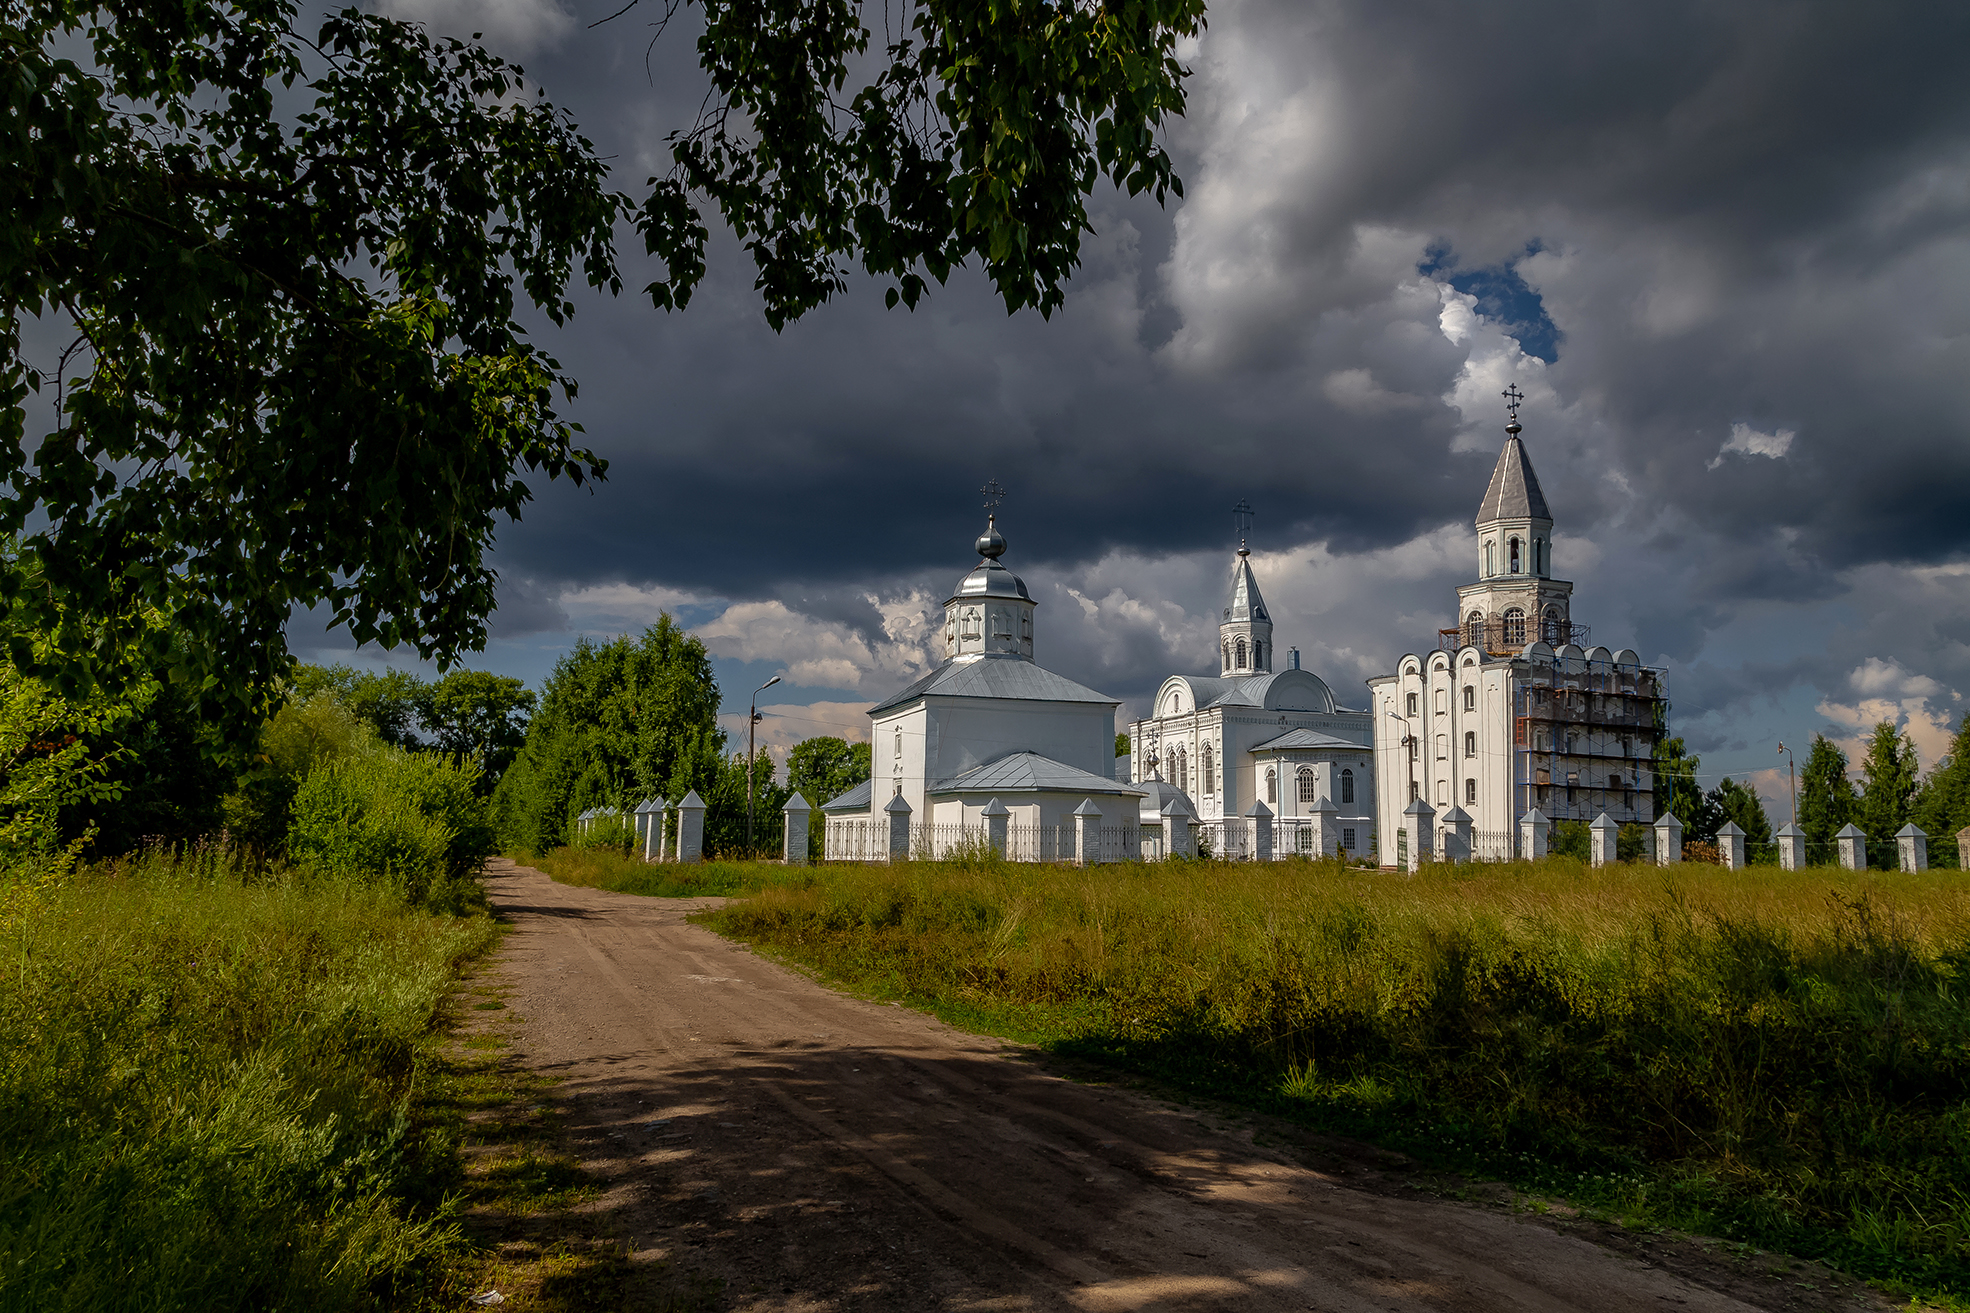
{"x":1347,"y":786}
{"x":1258,"y":654}
{"x":1309,"y":785}
{"x":1490,"y":557}
{"x":1470,"y":792}
{"x":1515,"y":556}
{"x":1514,"y":627}
{"x":1175,"y":702}
{"x":1182,"y":771}
{"x":1555,"y":628}
{"x":1539,"y":556}
{"x":1204,"y":774}
{"x":1240,"y":650}
{"x":1227,"y":656}
{"x":1271,"y":785}
{"x":1470,"y":697}
{"x":1474,"y":629}
{"x":1470,"y":743}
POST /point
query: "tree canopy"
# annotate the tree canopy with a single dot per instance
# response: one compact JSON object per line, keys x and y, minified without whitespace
{"x":1889,"y":775}
{"x":1826,"y":795}
{"x":821,"y":769}
{"x":292,"y":267}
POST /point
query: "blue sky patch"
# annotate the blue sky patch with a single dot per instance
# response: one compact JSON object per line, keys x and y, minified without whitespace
{"x":1502,"y":297}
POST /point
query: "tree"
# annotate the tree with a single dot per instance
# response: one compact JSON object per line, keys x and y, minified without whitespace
{"x":1731,"y":801}
{"x":1941,"y":805}
{"x":1121,"y":745}
{"x":388,"y":701}
{"x":619,"y":722}
{"x":822,"y":769}
{"x":1676,"y":789}
{"x":1888,"y":775}
{"x":294,"y":269}
{"x":1826,"y":795}
{"x":475,"y":713}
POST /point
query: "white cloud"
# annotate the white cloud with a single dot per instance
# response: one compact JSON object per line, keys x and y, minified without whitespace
{"x":784,"y":724}
{"x":827,"y":653}
{"x":1885,"y":691}
{"x":1747,"y":441}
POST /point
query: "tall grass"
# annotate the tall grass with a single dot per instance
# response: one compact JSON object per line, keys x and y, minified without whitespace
{"x":1781,"y":1057}
{"x":206,"y":1089}
{"x":598,"y":867}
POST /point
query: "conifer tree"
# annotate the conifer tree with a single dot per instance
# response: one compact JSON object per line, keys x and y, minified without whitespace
{"x":1889,"y":774}
{"x":1826,"y":795}
{"x":1941,"y":805}
{"x":1731,"y":801}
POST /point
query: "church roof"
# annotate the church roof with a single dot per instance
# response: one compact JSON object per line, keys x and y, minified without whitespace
{"x":988,"y":578}
{"x":1029,"y":772}
{"x":855,"y":800}
{"x":1307,"y":738}
{"x":1294,"y":687}
{"x":1246,"y":604}
{"x":1514,"y":492}
{"x":995,"y":675}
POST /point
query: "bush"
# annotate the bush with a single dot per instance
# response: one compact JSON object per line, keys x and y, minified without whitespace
{"x":613,"y":832}
{"x":411,"y":821}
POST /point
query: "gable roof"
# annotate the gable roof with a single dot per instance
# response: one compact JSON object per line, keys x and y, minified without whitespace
{"x":855,"y":800}
{"x":1514,"y":492}
{"x":995,"y":675}
{"x":1029,"y":772}
{"x":1309,"y":738}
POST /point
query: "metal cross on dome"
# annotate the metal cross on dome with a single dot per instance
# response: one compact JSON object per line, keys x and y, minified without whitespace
{"x":994,"y":494}
{"x":1512,"y":397}
{"x":1241,"y":516}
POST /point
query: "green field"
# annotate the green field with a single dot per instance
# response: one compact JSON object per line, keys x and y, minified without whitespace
{"x":1778,"y":1058}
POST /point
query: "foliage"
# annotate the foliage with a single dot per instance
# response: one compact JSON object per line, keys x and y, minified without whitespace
{"x":475,"y":713}
{"x":607,"y":868}
{"x":1738,"y":803}
{"x":388,"y":701}
{"x":205,"y":1101}
{"x":413,"y":822}
{"x":1570,"y":839}
{"x":611,"y":832}
{"x":300,"y":736}
{"x":1826,"y":795}
{"x":1780,"y":1062}
{"x":1888,"y":773}
{"x":619,"y":722}
{"x":725,"y":808}
{"x":980,"y":135}
{"x":1941,"y":806}
{"x":46,"y":764}
{"x":1121,"y":745}
{"x":822,"y":769}
{"x":1676,"y":789}
{"x":297,"y":378}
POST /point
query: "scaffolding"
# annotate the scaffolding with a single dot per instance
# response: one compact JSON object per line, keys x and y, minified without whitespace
{"x":1499,"y":637}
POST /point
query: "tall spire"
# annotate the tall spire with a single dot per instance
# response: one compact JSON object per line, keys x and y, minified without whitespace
{"x":1514,"y":492}
{"x":1245,"y":634}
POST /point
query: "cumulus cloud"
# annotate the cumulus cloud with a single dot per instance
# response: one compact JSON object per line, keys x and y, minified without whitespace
{"x":1747,"y":441}
{"x":1881,"y":690}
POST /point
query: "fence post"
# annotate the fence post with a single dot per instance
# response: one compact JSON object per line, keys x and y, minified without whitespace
{"x":691,"y":828}
{"x":1087,"y":833}
{"x":1260,"y":816}
{"x":1419,"y":823}
{"x":1668,"y":839}
{"x":898,"y":812}
{"x":1602,"y":838}
{"x":794,"y":845}
{"x":1178,"y":841}
{"x":1730,"y":846}
{"x":1534,"y":829}
{"x":1853,"y":847}
{"x":1914,"y":844}
{"x":1326,"y":834}
{"x":645,"y":822}
{"x":1963,"y":849}
{"x":998,"y":818}
{"x":1791,"y":847}
{"x":1457,"y":835}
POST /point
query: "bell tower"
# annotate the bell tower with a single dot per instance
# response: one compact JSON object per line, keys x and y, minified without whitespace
{"x":1245,"y":634}
{"x":1515,"y":600}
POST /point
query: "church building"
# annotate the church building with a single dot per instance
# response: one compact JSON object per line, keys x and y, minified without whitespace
{"x":1253,"y":734}
{"x":989,"y":723}
{"x":1511,"y":714}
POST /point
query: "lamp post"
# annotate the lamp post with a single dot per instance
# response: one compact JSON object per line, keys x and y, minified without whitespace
{"x":752,"y":718}
{"x":1792,"y":780}
{"x":1408,"y":738}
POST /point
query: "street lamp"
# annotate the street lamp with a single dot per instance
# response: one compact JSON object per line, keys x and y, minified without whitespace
{"x":752,"y":718}
{"x":1408,"y":740}
{"x":1792,"y":780}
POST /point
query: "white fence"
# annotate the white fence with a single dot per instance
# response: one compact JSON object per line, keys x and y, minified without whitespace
{"x":854,"y":840}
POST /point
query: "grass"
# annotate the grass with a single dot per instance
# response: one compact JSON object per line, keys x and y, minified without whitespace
{"x":606,"y":868}
{"x":1781,"y":1059}
{"x":208,"y":1098}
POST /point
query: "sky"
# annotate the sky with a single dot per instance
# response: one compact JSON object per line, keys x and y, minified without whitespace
{"x":1724,"y":250}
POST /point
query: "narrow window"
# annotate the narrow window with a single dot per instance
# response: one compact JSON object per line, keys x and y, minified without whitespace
{"x":1347,"y":840}
{"x":1415,"y":791}
{"x":1470,"y":743}
{"x":1208,"y":776}
{"x":1443,"y":747}
{"x":1515,"y":556}
{"x":1470,"y":792}
{"x":1309,"y":785}
{"x":1514,"y":628}
{"x":1412,"y":704}
{"x":1442,"y":696}
{"x":899,"y":742}
{"x":1474,"y":629}
{"x":1490,"y":558}
{"x":1227,"y":656}
{"x":1555,"y":628}
{"x":1240,"y":650}
{"x":1258,"y":655}
{"x":1173,"y":703}
{"x":1271,"y":785}
{"x":1347,"y":786}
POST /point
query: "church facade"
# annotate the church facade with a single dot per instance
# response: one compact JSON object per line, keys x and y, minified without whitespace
{"x":1511,"y":717}
{"x":1251,"y":734}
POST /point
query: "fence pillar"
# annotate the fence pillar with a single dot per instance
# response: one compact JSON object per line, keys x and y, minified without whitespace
{"x":1087,"y":833}
{"x":691,"y":828}
{"x":998,"y":819}
{"x":1914,"y":844}
{"x":1534,"y":830}
{"x":1326,"y":834}
{"x":1791,"y":847}
{"x":898,"y":812}
{"x":1459,"y":838}
{"x":1419,"y":827}
{"x":1603,"y":837}
{"x":1730,"y":846}
{"x":1668,"y":839}
{"x":646,"y":824}
{"x":793,"y":844}
{"x":1260,"y":816}
{"x":1853,"y":847}
{"x":1963,"y":849}
{"x":1178,"y":840}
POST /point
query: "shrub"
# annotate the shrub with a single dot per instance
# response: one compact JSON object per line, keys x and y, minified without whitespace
{"x":412,"y":821}
{"x":614,"y":832}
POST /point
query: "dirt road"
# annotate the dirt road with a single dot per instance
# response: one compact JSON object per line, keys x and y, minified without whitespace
{"x":817,"y":1152}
